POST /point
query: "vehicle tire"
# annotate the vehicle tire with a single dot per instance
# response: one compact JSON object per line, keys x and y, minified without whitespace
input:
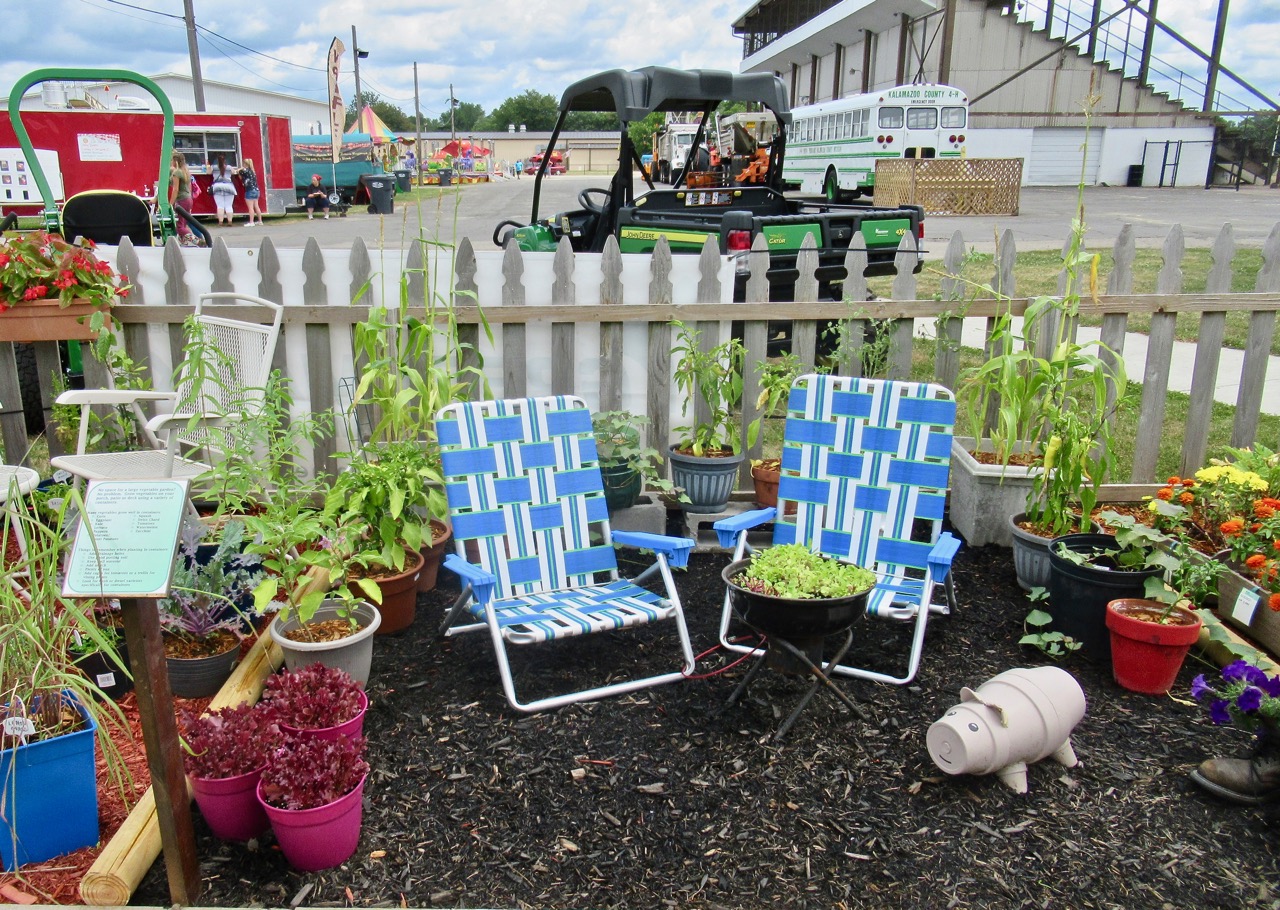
{"x":831,"y":187}
{"x":29,"y":383}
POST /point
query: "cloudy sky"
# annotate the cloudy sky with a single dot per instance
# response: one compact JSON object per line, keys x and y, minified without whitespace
{"x":489,"y":51}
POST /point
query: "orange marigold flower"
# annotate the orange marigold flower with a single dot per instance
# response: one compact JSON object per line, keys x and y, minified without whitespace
{"x":1164,"y":493}
{"x":1174,"y":480}
{"x":1186,"y":498}
{"x":1263,"y":510}
{"x":1231,"y":527}
{"x":1188,"y":482}
{"x":1255,"y":561}
{"x":1275,"y":544}
{"x":1274,"y":603}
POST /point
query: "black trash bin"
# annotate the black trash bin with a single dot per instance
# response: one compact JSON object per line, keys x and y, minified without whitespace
{"x":404,"y":181}
{"x":381,"y":193}
{"x":446,"y":176}
{"x":1135,"y":175}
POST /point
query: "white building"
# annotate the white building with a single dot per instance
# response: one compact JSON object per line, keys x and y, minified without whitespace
{"x":1026,"y":89}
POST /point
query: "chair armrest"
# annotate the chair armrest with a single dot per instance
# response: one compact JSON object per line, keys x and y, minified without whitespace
{"x":675,"y":549}
{"x":165,"y":422}
{"x":943,"y":552}
{"x":482,"y":581}
{"x":113,"y":396}
{"x":729,"y":528}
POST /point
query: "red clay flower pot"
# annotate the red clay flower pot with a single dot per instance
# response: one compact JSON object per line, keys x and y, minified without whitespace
{"x":1146,"y":656}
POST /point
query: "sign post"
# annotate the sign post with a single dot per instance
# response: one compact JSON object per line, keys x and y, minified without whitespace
{"x":125,"y":548}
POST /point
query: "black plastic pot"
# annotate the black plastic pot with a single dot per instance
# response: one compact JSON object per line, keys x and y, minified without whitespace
{"x":802,"y":622}
{"x":622,"y":485}
{"x":106,"y":674}
{"x":1079,"y":594}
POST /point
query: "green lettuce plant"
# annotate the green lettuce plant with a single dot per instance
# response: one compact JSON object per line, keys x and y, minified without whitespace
{"x":795,"y":572}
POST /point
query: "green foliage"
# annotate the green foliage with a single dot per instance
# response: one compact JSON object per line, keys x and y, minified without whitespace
{"x":715,"y":376}
{"x":794,"y":571}
{"x":641,"y":132}
{"x":618,"y":442}
{"x":535,"y":110}
{"x":391,"y":492}
{"x":776,"y":378}
{"x":1037,"y":633}
{"x":596,"y":121}
{"x":395,"y":119}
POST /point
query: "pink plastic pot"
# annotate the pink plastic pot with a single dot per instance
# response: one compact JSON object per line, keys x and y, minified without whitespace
{"x":319,"y":838}
{"x":353,"y":727}
{"x":230,"y":805}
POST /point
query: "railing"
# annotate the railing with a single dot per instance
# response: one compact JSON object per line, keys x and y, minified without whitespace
{"x":597,"y":325}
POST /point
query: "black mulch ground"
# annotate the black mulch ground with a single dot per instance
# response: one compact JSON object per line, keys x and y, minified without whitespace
{"x":473,"y":805}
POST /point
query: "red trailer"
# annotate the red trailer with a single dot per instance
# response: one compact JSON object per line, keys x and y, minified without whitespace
{"x":116,"y":150}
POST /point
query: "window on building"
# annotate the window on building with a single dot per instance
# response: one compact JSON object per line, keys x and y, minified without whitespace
{"x":953,"y":118}
{"x":922,"y":118}
{"x":890,"y":118}
{"x":201,"y":149}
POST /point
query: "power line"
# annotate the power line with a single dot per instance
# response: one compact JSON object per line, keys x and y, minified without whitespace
{"x":154,"y":12}
{"x":207,"y":31}
{"x":255,"y":72}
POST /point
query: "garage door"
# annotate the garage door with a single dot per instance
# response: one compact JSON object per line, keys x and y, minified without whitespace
{"x":1056,"y":153}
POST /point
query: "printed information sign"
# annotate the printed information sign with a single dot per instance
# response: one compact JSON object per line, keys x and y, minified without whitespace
{"x":126,"y":544}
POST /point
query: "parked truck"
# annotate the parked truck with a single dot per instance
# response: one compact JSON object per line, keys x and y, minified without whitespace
{"x":671,"y":145}
{"x":734,"y":203}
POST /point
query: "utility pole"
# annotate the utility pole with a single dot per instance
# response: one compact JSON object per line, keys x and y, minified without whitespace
{"x":417,"y":125}
{"x":355,"y":56}
{"x":453,"y":104}
{"x":193,"y":48}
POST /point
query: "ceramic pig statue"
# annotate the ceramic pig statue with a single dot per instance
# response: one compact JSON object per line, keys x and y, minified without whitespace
{"x":1014,"y":718}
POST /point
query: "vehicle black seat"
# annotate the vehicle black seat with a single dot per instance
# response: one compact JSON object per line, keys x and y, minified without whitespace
{"x":105,"y":216}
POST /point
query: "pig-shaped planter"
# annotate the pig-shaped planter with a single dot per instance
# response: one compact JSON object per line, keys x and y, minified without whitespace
{"x":1014,"y":718}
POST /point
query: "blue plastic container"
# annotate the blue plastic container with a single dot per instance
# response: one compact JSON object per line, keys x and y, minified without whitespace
{"x":50,"y":797}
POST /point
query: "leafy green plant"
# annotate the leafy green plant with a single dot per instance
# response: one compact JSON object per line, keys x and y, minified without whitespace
{"x":391,"y":492}
{"x":202,"y":590}
{"x":1037,"y":634}
{"x":796,"y":572}
{"x":618,"y":442}
{"x":714,"y":376}
{"x":776,"y":378}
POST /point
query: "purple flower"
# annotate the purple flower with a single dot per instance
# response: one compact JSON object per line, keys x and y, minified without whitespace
{"x":1271,"y":686}
{"x":1253,"y":676}
{"x":1236,"y":671}
{"x":1200,"y":688}
{"x":1219,"y":713}
{"x":1250,"y":699}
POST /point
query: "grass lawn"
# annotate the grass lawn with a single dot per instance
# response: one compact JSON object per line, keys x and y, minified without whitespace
{"x":1036,"y":272}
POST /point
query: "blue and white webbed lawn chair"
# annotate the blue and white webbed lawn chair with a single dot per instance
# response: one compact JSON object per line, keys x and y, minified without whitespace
{"x":865,"y":463}
{"x":527,"y":503}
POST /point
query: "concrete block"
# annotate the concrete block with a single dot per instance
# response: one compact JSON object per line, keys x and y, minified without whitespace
{"x":647,"y":515}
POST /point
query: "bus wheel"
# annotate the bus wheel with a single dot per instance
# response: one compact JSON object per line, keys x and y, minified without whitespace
{"x":830,"y":188}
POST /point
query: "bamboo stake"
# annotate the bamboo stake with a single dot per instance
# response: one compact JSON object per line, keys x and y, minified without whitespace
{"x":120,"y":867}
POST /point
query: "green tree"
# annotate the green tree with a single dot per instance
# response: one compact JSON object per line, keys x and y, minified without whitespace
{"x":395,"y":119}
{"x":534,"y":109}
{"x":591,"y":121}
{"x":641,"y":132}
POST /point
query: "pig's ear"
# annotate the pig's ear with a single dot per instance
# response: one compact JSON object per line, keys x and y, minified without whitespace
{"x":967,"y":694}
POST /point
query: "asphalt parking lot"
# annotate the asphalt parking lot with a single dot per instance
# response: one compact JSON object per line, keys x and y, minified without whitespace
{"x":1044,"y":221}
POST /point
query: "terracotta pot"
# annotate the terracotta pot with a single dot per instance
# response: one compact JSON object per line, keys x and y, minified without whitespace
{"x":1146,"y":656}
{"x":400,"y":595}
{"x":441,"y":535}
{"x":766,"y":476}
{"x":47,"y":320}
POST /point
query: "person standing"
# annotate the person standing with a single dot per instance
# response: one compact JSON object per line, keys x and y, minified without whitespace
{"x":224,"y":189}
{"x":519,"y":168}
{"x":190,"y":231}
{"x":251,"y":192}
{"x":317,"y":197}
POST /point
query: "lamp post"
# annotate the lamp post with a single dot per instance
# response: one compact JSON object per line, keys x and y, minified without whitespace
{"x":357,"y":56}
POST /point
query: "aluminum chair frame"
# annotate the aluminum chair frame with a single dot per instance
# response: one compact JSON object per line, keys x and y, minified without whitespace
{"x":527,"y":504}
{"x":865,"y":461}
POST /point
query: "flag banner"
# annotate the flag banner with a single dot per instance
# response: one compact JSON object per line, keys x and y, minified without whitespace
{"x":337,"y":109}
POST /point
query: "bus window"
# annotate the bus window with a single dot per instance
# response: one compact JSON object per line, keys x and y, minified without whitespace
{"x":847,"y":130}
{"x":890,"y":118}
{"x":922,"y":118}
{"x":860,"y":120}
{"x":953,"y":118}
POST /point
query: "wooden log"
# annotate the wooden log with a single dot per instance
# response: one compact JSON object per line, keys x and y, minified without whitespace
{"x":120,"y":867}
